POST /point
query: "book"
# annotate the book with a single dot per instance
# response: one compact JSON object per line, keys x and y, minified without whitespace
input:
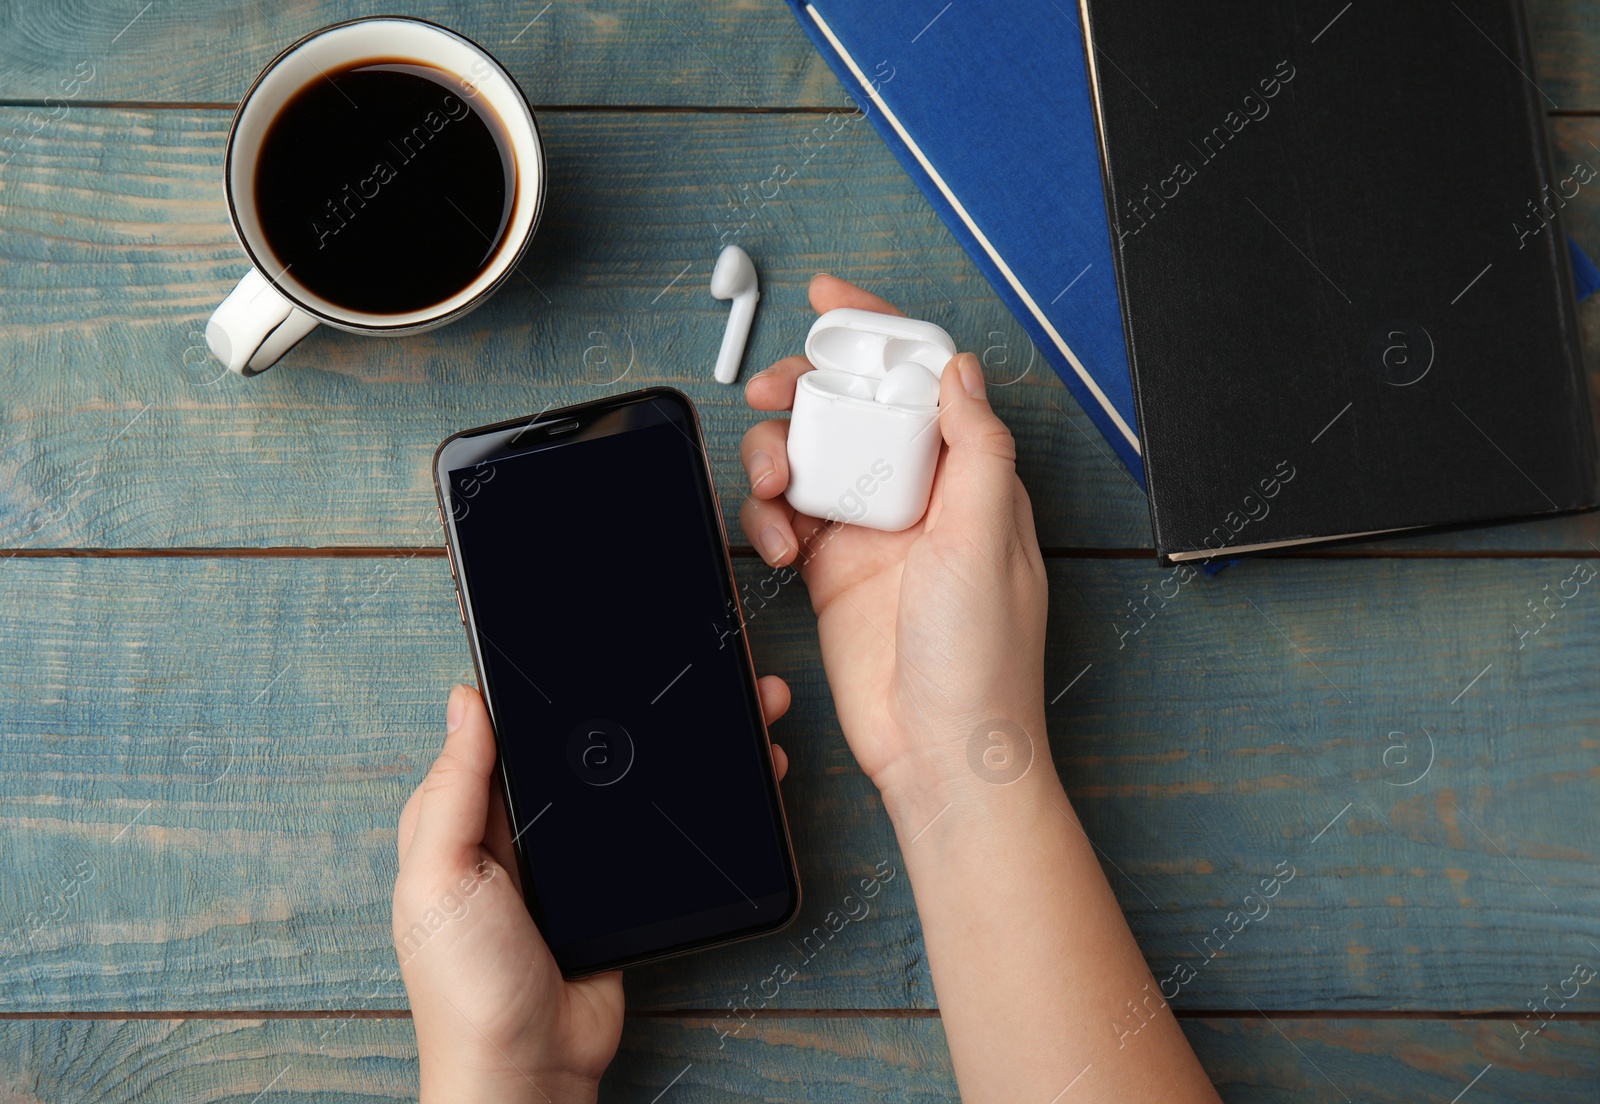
{"x":1349,"y":307}
{"x":993,"y":120}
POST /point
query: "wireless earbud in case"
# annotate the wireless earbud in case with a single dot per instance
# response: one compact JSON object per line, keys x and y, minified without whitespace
{"x":863,"y":442}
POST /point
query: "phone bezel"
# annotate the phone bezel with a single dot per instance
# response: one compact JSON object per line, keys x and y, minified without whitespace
{"x":533,"y":435}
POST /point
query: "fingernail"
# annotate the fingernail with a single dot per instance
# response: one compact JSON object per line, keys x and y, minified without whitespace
{"x":774,"y":545}
{"x":814,"y":275}
{"x":759,"y":467}
{"x":971,"y":375}
{"x":456,"y":711}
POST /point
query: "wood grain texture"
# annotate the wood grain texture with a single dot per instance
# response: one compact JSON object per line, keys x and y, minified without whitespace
{"x":227,"y":743}
{"x":201,"y":760}
{"x":111,"y":280}
{"x":632,"y":52}
{"x":829,"y":1060}
{"x":121,"y":432}
{"x":1565,"y":60}
{"x":656,"y":52}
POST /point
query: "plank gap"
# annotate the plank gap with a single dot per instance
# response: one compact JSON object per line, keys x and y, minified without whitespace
{"x":745,"y":552}
{"x":548,"y":109}
{"x":1427,"y":1015}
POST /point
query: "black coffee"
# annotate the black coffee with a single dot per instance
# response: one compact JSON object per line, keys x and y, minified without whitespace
{"x":383,"y":188}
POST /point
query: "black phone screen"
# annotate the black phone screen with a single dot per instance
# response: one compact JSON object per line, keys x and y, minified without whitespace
{"x":602,"y":612}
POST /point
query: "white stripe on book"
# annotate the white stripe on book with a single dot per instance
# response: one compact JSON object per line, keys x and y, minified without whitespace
{"x":994,"y":255}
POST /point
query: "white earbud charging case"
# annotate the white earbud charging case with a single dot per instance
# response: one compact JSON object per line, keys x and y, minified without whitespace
{"x":852,"y":458}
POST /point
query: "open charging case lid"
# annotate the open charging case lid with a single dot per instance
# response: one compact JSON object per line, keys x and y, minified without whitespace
{"x":866,"y":343}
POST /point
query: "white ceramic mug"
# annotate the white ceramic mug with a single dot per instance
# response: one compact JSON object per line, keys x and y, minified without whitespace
{"x":270,"y":311}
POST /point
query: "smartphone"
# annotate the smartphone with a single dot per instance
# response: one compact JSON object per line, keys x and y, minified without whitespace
{"x":594,"y":581}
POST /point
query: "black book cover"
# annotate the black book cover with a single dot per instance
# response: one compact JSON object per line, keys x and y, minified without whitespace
{"x":1345,"y":290}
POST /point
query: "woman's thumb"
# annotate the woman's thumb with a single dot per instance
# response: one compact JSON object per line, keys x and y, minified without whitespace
{"x":455,"y":794}
{"x":981,"y":466}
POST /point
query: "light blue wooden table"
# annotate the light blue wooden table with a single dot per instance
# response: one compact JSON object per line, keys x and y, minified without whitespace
{"x":228,"y":632}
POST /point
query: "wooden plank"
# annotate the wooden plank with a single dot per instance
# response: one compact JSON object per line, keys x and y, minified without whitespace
{"x":1248,"y":1059}
{"x":633,"y":52}
{"x":641,"y":52}
{"x":1565,"y":60}
{"x":110,"y":279}
{"x":834,"y":1059}
{"x":120,"y":433}
{"x":236,"y":796}
{"x":228,"y":743}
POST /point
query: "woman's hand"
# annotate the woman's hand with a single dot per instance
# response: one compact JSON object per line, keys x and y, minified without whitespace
{"x":495,"y":1020}
{"x":927,"y":634}
{"x":933,"y":640}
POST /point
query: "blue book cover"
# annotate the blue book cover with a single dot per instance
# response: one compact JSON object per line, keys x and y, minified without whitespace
{"x":1020,"y":188}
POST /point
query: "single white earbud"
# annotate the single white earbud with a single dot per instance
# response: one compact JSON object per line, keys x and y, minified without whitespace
{"x":735,"y":278}
{"x":909,"y":384}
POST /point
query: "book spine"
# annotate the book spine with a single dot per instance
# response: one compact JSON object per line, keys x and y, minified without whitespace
{"x":1109,"y":184}
{"x":1556,"y":243}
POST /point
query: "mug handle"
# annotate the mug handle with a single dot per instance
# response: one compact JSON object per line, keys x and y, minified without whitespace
{"x":255,"y":326}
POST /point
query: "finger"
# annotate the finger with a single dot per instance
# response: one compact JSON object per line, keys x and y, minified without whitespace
{"x":980,"y":468}
{"x":829,"y":293}
{"x":775,"y":697}
{"x":780,"y":761}
{"x":766,"y":523}
{"x":455,"y":794}
{"x":765,"y":454}
{"x":773,"y":388}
